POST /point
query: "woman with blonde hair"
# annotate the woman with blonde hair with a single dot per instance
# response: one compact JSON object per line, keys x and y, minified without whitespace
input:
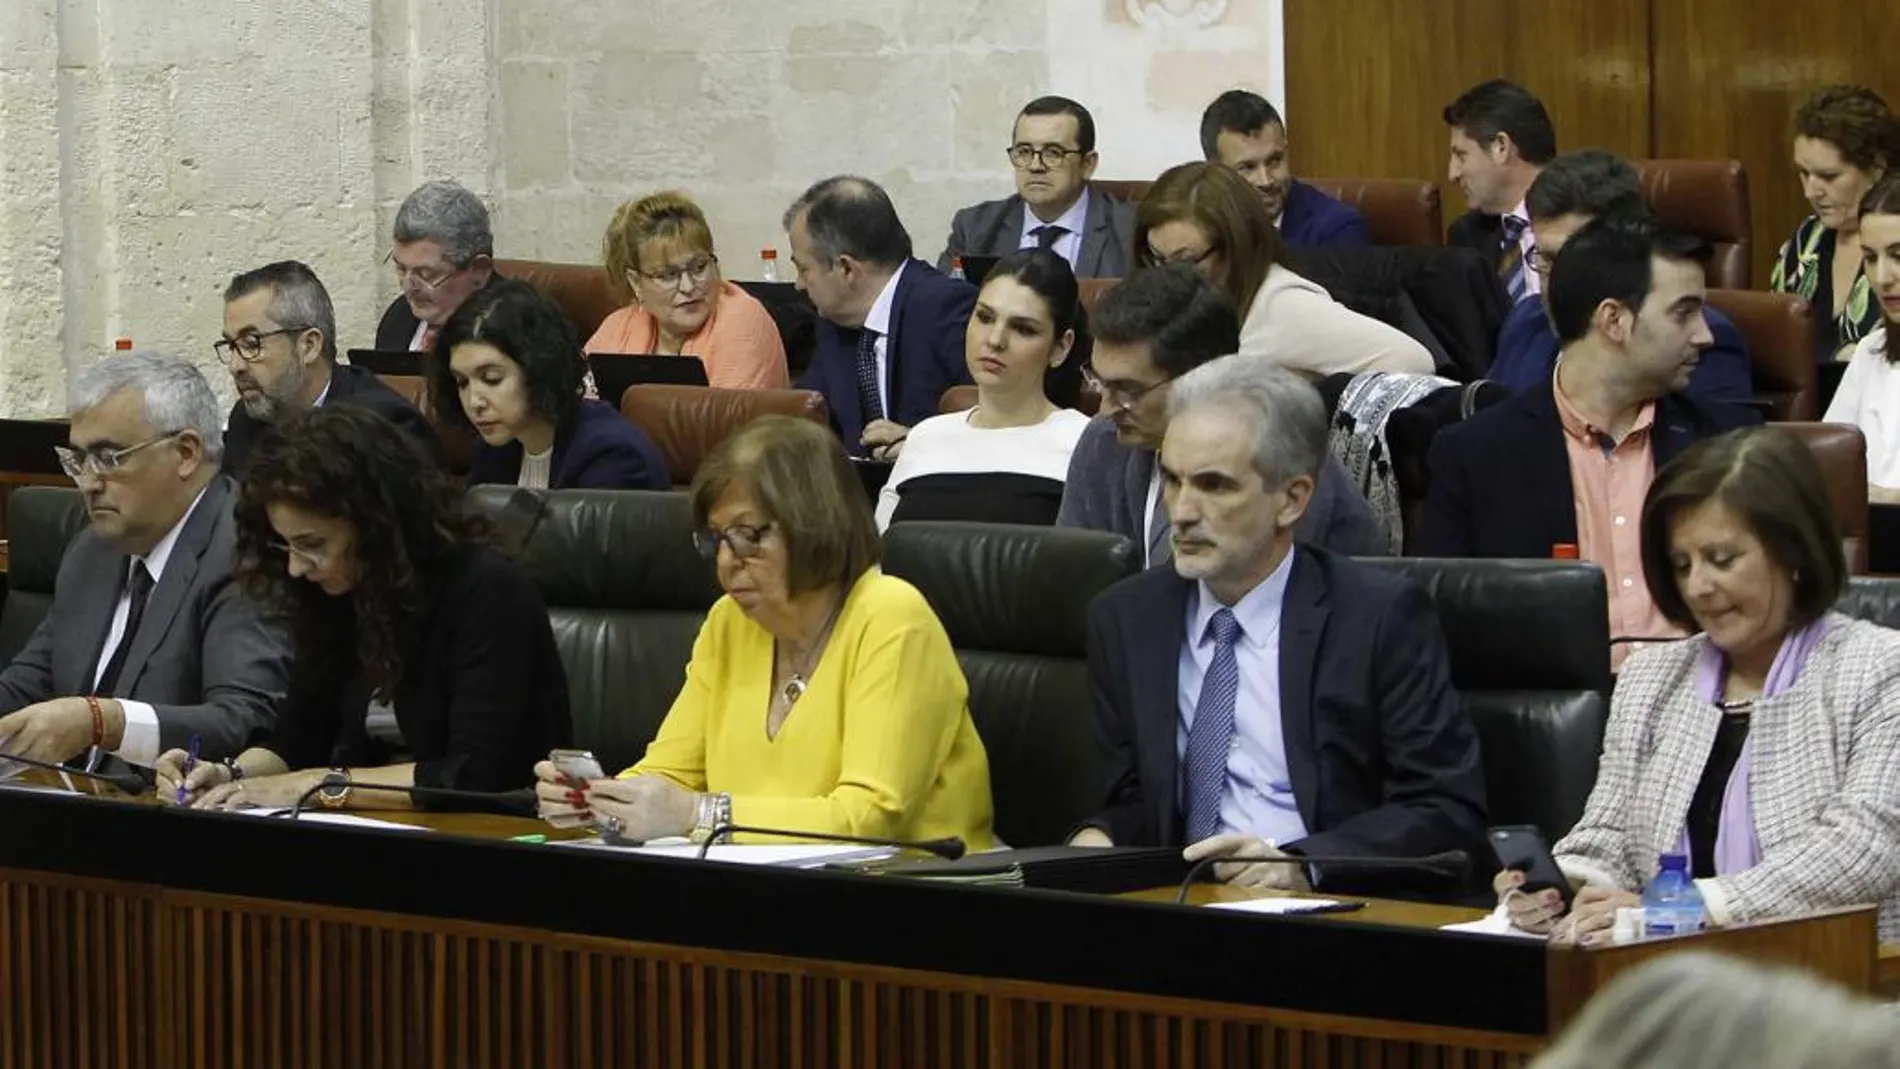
{"x":1207,"y":215}
{"x":659,"y":255}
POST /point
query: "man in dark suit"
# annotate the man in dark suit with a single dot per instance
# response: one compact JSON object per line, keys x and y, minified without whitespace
{"x":1572,"y":190}
{"x":1245,"y":132}
{"x":890,"y":327}
{"x":1501,"y":137}
{"x":279,"y":345}
{"x":1263,"y":698}
{"x":444,"y":251}
{"x":1053,"y":152}
{"x":1569,"y":462}
{"x":148,"y":644}
{"x":1150,"y":329}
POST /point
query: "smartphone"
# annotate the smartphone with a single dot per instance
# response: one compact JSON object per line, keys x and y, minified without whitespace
{"x":1522,"y":847}
{"x":577,"y":765}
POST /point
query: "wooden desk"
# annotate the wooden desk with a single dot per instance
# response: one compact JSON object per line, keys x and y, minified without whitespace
{"x":138,"y":935}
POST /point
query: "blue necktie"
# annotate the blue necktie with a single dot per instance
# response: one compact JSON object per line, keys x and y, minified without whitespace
{"x":1212,"y":733}
{"x":1511,"y":266}
{"x":868,"y":400}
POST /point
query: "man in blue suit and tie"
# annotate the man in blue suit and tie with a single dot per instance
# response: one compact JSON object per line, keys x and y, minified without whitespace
{"x":890,"y":326}
{"x":1244,"y":132}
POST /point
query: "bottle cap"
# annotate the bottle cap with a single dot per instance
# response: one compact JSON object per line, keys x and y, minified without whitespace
{"x":1565,"y":551}
{"x":768,"y":253}
{"x":956,"y":262}
{"x":123,"y":345}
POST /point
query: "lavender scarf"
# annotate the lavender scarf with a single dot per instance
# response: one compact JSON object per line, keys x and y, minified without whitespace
{"x":1736,"y":848}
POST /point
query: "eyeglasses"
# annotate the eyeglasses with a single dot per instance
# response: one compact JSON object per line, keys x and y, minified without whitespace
{"x":1539,"y":260}
{"x":426,"y":278}
{"x":102,"y":463}
{"x":1120,"y":396}
{"x":697,"y":269}
{"x":249,"y":347}
{"x":1022,"y":156}
{"x":747,"y":540}
{"x":312,"y":557}
{"x":1179,"y":256}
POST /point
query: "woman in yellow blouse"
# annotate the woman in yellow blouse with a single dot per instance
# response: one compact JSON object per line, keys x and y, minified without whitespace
{"x":823,"y":696}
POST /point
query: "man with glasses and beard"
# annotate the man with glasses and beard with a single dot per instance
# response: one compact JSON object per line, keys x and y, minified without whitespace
{"x":279,"y":345}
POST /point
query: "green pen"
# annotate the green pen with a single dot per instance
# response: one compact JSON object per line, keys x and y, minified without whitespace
{"x":536,"y":838}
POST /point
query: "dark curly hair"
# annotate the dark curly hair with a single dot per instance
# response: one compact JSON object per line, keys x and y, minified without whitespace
{"x":1856,"y":121}
{"x":349,"y":463}
{"x":528,"y":328}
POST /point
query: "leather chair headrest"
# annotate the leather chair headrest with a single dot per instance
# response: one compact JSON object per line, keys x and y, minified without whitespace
{"x":1006,"y":588}
{"x":611,"y":549}
{"x":41,"y":520}
{"x":1518,"y":624}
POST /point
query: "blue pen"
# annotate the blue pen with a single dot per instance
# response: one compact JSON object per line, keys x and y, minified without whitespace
{"x":191,"y":762}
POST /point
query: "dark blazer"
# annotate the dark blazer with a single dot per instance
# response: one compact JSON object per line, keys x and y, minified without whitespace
{"x":397,"y":328}
{"x":1500,"y":481}
{"x":1382,"y":757}
{"x":203,"y":657}
{"x":1313,"y":218}
{"x":595,"y":449}
{"x":1528,"y":347}
{"x":1477,"y":230}
{"x":348,"y":385}
{"x":925,"y":353}
{"x":995,"y":228}
{"x":483,"y":694}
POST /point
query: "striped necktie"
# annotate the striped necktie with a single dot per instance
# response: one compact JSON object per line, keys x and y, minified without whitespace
{"x":1512,"y":270}
{"x":1211,"y":735}
{"x":869,"y":401}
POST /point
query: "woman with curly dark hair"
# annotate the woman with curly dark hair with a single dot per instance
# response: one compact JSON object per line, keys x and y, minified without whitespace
{"x":513,"y":373}
{"x":396,"y":603}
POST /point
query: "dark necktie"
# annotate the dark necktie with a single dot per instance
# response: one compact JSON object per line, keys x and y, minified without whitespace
{"x":1211,"y":735}
{"x":868,"y":400}
{"x":139,"y":587}
{"x":1047,"y":236}
{"x":1511,"y":266}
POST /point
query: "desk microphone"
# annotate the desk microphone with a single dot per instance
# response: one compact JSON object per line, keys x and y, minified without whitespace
{"x":1448,"y":864}
{"x":949,"y":847}
{"x":130,"y":782}
{"x":520,"y":802}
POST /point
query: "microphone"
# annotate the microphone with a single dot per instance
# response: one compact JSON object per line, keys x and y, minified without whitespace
{"x":1448,"y":864}
{"x":521,"y":802}
{"x":129,"y":781}
{"x":949,"y":847}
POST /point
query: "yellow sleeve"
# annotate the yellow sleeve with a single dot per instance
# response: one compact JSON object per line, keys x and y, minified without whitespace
{"x":678,"y":749}
{"x":904,"y":704}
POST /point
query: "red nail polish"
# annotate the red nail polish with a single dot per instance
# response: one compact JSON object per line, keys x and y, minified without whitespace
{"x":578,"y":798}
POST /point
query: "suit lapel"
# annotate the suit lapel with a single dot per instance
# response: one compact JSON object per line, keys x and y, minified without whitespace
{"x":1546,"y":469}
{"x":893,"y":367}
{"x":1095,"y":236}
{"x":1158,"y":633}
{"x":1303,"y":616}
{"x":1136,"y":476}
{"x":1008,"y":232}
{"x":1673,"y":430}
{"x":84,"y":657}
{"x":181,"y":571}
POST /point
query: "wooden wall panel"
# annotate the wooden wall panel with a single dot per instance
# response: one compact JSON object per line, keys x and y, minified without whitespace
{"x":1368,"y":79}
{"x":1729,"y":74}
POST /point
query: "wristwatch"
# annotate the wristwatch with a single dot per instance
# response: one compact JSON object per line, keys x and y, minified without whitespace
{"x":335,"y":792}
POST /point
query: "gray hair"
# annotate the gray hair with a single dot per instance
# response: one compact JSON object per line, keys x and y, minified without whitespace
{"x":1288,"y":416}
{"x":177,"y":397}
{"x":298,"y":299}
{"x":450,"y":216}
{"x":851,"y":216}
{"x":1693,"y":1009}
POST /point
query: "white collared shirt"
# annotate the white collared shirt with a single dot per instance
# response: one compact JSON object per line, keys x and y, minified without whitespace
{"x":878,"y":319}
{"x":1069,"y":245}
{"x":139,"y":743}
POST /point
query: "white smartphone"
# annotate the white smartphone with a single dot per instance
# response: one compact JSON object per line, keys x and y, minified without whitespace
{"x":579,"y":765}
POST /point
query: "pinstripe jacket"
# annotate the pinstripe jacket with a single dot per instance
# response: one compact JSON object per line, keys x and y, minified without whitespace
{"x":1825,"y":781}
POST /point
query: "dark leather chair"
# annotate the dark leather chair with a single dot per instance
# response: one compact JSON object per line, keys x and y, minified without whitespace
{"x":41,"y":520}
{"x":1015,"y":602}
{"x":1875,"y":599}
{"x":626,"y":591}
{"x":1531,"y":657}
{"x":1398,"y":211}
{"x":688,"y":422}
{"x":580,"y":289}
{"x":1707,"y":198}
{"x":1779,"y":329}
{"x":1841,"y":450}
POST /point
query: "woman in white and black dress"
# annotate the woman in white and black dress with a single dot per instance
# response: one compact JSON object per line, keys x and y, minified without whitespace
{"x":1003,"y":461}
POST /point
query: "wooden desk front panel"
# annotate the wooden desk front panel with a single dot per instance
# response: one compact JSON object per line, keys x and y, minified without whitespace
{"x":98,"y":973}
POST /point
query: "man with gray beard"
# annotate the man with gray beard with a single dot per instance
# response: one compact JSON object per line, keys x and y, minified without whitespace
{"x":279,"y":345}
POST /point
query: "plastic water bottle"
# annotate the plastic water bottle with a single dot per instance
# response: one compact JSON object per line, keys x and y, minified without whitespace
{"x":956,"y":268}
{"x":1671,"y":903}
{"x":768,"y":265}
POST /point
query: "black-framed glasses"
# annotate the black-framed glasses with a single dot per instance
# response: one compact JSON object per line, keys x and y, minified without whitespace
{"x":1051,"y":156}
{"x":1179,"y":256}
{"x":1539,"y":260}
{"x":698,"y":269}
{"x":427,"y":278}
{"x":100,"y":463}
{"x":1120,"y":396}
{"x":250,"y":345}
{"x":747,"y":540}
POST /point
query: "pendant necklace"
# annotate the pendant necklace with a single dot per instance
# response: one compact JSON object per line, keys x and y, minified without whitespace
{"x":796,"y":686}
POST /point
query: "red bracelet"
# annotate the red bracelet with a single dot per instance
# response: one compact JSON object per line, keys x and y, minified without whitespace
{"x":98,"y":721}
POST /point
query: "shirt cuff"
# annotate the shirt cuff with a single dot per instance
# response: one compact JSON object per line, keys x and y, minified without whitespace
{"x":138,"y":744}
{"x":1715,"y":904}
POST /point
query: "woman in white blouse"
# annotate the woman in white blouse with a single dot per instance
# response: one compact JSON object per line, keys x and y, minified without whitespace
{"x":1207,"y":215}
{"x":1005,"y":460}
{"x":1869,"y":394}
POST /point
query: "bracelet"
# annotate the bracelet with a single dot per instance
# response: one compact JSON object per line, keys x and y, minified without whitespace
{"x":236,"y":770}
{"x":712,"y":811}
{"x":98,"y":721}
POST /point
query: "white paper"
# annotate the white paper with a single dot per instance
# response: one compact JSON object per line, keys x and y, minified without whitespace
{"x":341,"y":819}
{"x":790,"y":855}
{"x":1277,"y":905}
{"x":1497,"y":922}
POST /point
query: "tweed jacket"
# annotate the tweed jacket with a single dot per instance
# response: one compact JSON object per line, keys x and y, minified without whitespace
{"x":1824,"y":783}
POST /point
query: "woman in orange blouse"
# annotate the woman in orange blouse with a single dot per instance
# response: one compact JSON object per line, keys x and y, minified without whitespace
{"x":659,"y":252}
